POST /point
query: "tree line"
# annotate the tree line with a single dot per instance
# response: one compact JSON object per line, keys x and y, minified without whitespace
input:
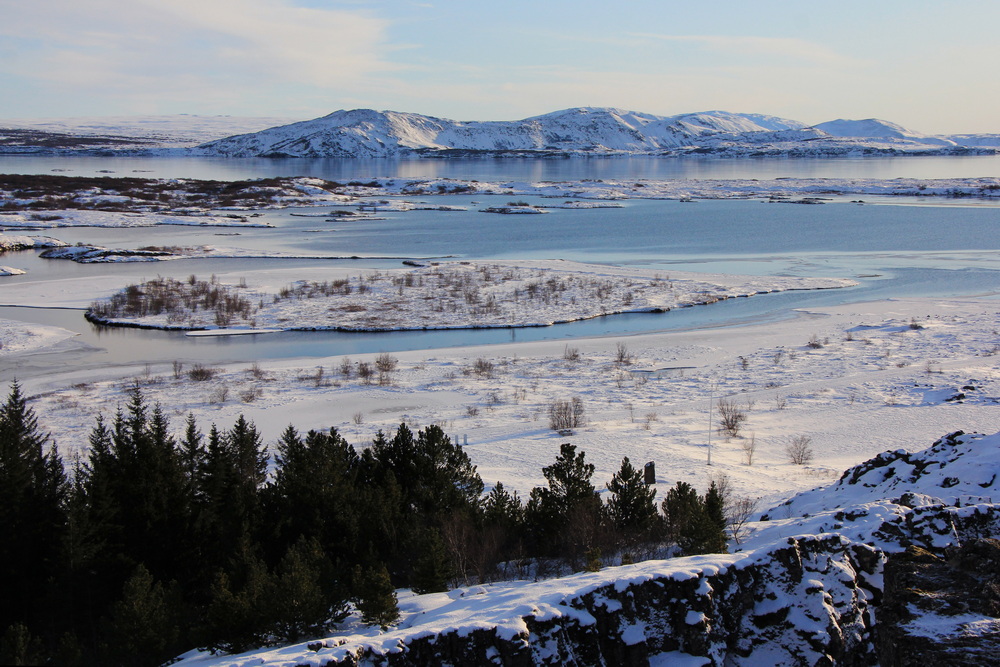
{"x":157,"y":543}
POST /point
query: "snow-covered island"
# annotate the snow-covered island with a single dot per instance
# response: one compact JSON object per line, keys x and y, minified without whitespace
{"x":440,"y":295}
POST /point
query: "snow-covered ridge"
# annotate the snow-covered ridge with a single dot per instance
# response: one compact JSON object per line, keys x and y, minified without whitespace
{"x":585,"y":130}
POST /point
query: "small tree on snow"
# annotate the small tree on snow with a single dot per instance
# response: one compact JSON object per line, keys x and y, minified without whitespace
{"x":799,"y":449}
{"x":566,"y":415}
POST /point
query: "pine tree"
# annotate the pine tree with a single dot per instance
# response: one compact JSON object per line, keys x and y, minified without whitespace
{"x":19,"y":647}
{"x":33,"y":495}
{"x":306,"y":598}
{"x":375,"y":597}
{"x":503,"y":508}
{"x":432,"y":570}
{"x":689,"y":522}
{"x":192,"y":455}
{"x":231,"y":479}
{"x":632,"y":508}
{"x":134,"y":503}
{"x":146,"y":625}
{"x":315,"y":494}
{"x":564,"y":518}
{"x":435,"y":475}
{"x":240,"y":613}
{"x":715,"y":520}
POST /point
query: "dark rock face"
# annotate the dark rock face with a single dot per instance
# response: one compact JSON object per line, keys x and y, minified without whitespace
{"x":805,"y":602}
{"x":942,"y":607}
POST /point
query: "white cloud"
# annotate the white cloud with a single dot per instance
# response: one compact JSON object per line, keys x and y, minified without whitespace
{"x":147,"y":46}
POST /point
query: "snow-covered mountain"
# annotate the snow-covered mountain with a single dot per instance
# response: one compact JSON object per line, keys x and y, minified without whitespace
{"x":873,"y":128}
{"x":584,"y":130}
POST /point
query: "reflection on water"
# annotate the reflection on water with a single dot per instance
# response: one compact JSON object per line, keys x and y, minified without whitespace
{"x":517,"y":169}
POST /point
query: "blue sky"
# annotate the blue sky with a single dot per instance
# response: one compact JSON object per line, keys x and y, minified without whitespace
{"x":929,"y":66}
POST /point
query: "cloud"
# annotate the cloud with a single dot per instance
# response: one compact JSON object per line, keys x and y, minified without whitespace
{"x":147,"y":46}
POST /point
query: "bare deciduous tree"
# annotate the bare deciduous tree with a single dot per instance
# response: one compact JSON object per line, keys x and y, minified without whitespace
{"x":731,"y":417}
{"x":650,"y":418}
{"x":799,"y":449}
{"x":566,"y":415}
{"x":749,"y":446}
{"x":385,"y":363}
{"x":738,"y":513}
{"x":365,"y":372}
{"x":483,"y":368}
{"x":622,"y":356}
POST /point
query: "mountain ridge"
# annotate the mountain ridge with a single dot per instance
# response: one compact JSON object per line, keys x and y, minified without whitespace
{"x":587,"y":131}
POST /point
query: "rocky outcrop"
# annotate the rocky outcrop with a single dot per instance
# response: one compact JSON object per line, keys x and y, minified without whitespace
{"x":805,"y":602}
{"x":942,"y":607}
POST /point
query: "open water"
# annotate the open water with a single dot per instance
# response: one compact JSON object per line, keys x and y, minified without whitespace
{"x":910,"y":250}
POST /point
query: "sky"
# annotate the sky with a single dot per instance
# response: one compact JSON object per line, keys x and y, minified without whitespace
{"x":929,"y":66}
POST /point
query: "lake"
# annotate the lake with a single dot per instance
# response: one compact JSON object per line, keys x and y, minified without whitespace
{"x":895,"y":250}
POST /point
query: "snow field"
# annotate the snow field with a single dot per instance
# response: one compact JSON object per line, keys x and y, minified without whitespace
{"x":883,"y":389}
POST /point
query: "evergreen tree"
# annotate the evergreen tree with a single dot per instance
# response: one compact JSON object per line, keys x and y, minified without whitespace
{"x":132,"y":506}
{"x":434,"y":475}
{"x":690,"y":524}
{"x":501,"y":535}
{"x":231,"y":478}
{"x":33,"y":495}
{"x":416,"y":483}
{"x":564,"y":518}
{"x":315,"y":494}
{"x":375,"y":597}
{"x":146,"y":625}
{"x":715,"y":529}
{"x":192,"y":456}
{"x":240,"y":613}
{"x":307,"y":596}
{"x":503,"y":508}
{"x":19,"y":647}
{"x":432,"y":570}
{"x":450,"y":479}
{"x":632,"y":508}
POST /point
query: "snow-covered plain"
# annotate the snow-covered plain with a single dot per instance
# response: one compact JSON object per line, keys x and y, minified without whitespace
{"x":876,"y":383}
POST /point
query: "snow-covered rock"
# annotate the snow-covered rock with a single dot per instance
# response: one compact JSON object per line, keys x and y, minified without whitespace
{"x":804,"y":601}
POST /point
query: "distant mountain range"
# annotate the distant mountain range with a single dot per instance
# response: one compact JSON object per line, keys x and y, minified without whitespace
{"x":364,"y":133}
{"x":589,"y":131}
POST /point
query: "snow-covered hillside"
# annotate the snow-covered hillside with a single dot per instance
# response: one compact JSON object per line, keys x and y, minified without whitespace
{"x":806,"y":590}
{"x":584,"y":130}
